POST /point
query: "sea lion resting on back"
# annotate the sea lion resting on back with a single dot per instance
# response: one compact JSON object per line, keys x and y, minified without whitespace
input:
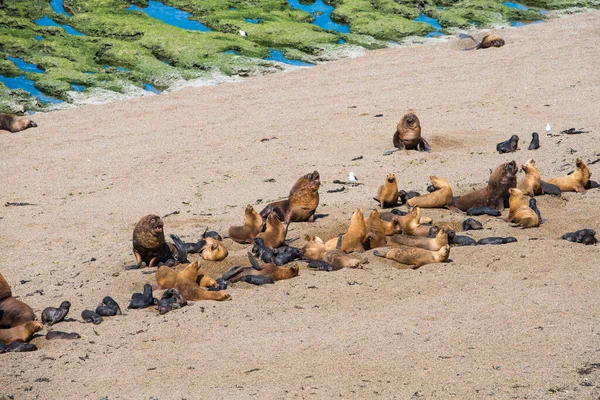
{"x":490,"y":40}
{"x":12,"y":311}
{"x":502,"y":179}
{"x":408,"y":134}
{"x":15,"y":124}
{"x":252,"y":226}
{"x":301,"y":203}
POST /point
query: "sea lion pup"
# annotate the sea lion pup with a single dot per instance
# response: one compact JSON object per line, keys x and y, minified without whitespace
{"x":489,"y":40}
{"x":432,"y":244}
{"x":535,"y":141}
{"x":585,"y":236}
{"x":15,"y":124}
{"x":301,"y":203}
{"x":414,"y":257}
{"x":387,"y":195}
{"x":411,"y":224}
{"x":408,"y":134}
{"x":172,"y":299}
{"x":501,"y":179}
{"x":12,"y":311}
{"x":91,"y":316}
{"x":354,"y":238}
{"x":247,"y":232}
{"x":531,"y":184}
{"x":509,"y":146}
{"x":375,"y":232}
{"x":58,"y":335}
{"x":22,"y":332}
{"x":149,"y":244}
{"x":440,"y":198}
{"x":108,"y":308}
{"x":274,"y":235}
{"x":210,"y":248}
{"x":51,"y":315}
{"x":236,"y":274}
{"x":520,"y":213}
{"x":142,"y":300}
{"x":577,"y":181}
{"x":191,"y":285}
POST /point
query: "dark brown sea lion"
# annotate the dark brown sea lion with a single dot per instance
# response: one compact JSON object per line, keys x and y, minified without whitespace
{"x":51,"y":315}
{"x":149,"y":244}
{"x":12,"y":311}
{"x":15,"y":124}
{"x":22,"y":332}
{"x":408,"y":134}
{"x":387,"y":195}
{"x":489,"y":40}
{"x":301,"y":203}
{"x":496,"y":192}
{"x":575,"y":182}
{"x":252,"y":226}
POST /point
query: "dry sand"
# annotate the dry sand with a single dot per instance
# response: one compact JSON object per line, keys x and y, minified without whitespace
{"x":512,"y":321}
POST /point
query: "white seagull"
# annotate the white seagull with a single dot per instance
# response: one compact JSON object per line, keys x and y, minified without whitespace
{"x":352,"y":178}
{"x":548,"y":127}
{"x":243,"y":33}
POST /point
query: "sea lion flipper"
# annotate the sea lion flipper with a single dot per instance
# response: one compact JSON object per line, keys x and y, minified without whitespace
{"x":254,"y":262}
{"x":231,"y":272}
{"x":134,"y":266}
{"x":181,"y":248}
{"x":424,"y":146}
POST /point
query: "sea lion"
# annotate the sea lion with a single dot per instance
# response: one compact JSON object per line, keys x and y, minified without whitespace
{"x":171,"y":299}
{"x":214,"y":250}
{"x":432,"y":244}
{"x":320,"y":265}
{"x":108,"y":308}
{"x":235,"y":274}
{"x":54,"y":335}
{"x":18,"y":347}
{"x":531,"y":184}
{"x":274,"y":235}
{"x":15,"y":124}
{"x":411,"y":223}
{"x":408,"y":134}
{"x":210,"y":248}
{"x":387,"y":195}
{"x":489,"y":40}
{"x":413,"y":257}
{"x":476,"y":211}
{"x":535,"y":141}
{"x":314,"y":249}
{"x":13,"y":312}
{"x":463,"y":241}
{"x":90,"y":316}
{"x":550,"y":189}
{"x":497,"y":240}
{"x":278,"y":256}
{"x":142,"y":300}
{"x":252,"y":226}
{"x":494,"y":195}
{"x":191,"y":285}
{"x":471,"y":224}
{"x":509,"y":146}
{"x":404,"y":196}
{"x":375,"y":232}
{"x":149,"y":244}
{"x":585,"y":236}
{"x":441,"y":197}
{"x":302,"y":202}
{"x":354,"y":238}
{"x":577,"y":181}
{"x":338,"y":260}
{"x":23,"y":332}
{"x":520,"y":213}
{"x":51,"y":315}
{"x":533,"y":206}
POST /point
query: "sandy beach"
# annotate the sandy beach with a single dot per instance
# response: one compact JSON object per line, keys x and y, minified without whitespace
{"x":513,"y":321}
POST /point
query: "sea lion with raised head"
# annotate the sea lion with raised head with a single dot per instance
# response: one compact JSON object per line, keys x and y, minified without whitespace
{"x":509,"y":146}
{"x":274,"y":235}
{"x":149,"y":244}
{"x":439,"y":198}
{"x":408,"y":134}
{"x":142,"y":300}
{"x":252,"y":226}
{"x":531,"y":184}
{"x":413,"y":257}
{"x":15,"y":124}
{"x":442,"y":238}
{"x":575,"y":182}
{"x":411,"y":223}
{"x":51,"y":315}
{"x":302,"y":201}
{"x":354,"y":238}
{"x":23,"y":332}
{"x":535,"y":141}
{"x":489,"y":40}
{"x":520,"y":213}
{"x":13,"y":312}
{"x":496,"y":191}
{"x":375,"y":232}
{"x":387,"y":195}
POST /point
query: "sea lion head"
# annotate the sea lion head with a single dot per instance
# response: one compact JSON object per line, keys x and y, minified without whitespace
{"x":510,"y":169}
{"x":411,"y":120}
{"x":396,"y":225}
{"x":153,"y":224}
{"x":438,"y":182}
{"x":30,"y":123}
{"x":216,"y":251}
{"x":314,"y":180}
{"x":390,"y":178}
{"x":529,"y":164}
{"x":357,"y":216}
{"x":65,"y":304}
{"x":273,"y":218}
{"x":516,"y":193}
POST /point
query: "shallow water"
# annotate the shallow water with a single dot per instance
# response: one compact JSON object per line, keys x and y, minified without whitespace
{"x":322,"y":14}
{"x":231,"y":52}
{"x":253,"y":21}
{"x":519,"y":23}
{"x":21,"y":82}
{"x":171,"y":15}
{"x":515,"y":5}
{"x":25,"y":66}
{"x":276,"y":55}
{"x":47,"y":21}
{"x":433,"y":22}
{"x":57,"y":7}
{"x":77,"y":88}
{"x":39,"y":38}
{"x":150,"y":88}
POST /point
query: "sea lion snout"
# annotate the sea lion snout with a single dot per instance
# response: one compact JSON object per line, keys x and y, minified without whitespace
{"x":31,"y":124}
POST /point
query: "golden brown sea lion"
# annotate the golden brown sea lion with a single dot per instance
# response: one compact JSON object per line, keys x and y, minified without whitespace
{"x":432,"y":244}
{"x":413,"y":257}
{"x":214,"y":250}
{"x":575,"y":182}
{"x":314,"y":248}
{"x":186,"y":280}
{"x":489,"y":40}
{"x":271,"y":271}
{"x":501,"y":179}
{"x":387,"y":195}
{"x":391,"y":227}
{"x":15,"y":124}
{"x":411,"y":223}
{"x":376,"y":232}
{"x":531,"y":184}
{"x":252,"y":226}
{"x":274,"y":235}
{"x":149,"y":244}
{"x":408,"y":134}
{"x":354,"y":238}
{"x":338,"y":260}
{"x":301,"y":203}
{"x":22,"y":332}
{"x":520,"y":213}
{"x":12,"y":311}
{"x":441,"y":197}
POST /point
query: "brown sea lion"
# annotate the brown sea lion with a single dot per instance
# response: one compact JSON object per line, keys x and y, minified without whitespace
{"x":12,"y":311}
{"x":252,"y":226}
{"x":387,"y":195}
{"x":301,"y":203}
{"x":213,"y":250}
{"x":149,"y":244}
{"x":489,"y":40}
{"x":441,"y":197}
{"x":274,"y":235}
{"x":575,"y":182}
{"x":186,"y":282}
{"x":432,"y":244}
{"x":411,"y":223}
{"x":408,"y":134}
{"x":531,"y":184}
{"x":314,"y":249}
{"x":338,"y":260}
{"x":15,"y":124}
{"x":235,"y":274}
{"x":520,"y":213}
{"x":413,"y":257}
{"x":354,"y":238}
{"x":376,"y":232}
{"x":391,"y":227}
{"x":22,"y":332}
{"x":496,"y":192}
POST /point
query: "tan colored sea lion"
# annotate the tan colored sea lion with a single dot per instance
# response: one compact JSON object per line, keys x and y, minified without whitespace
{"x":413,"y":257}
{"x":149,"y":244}
{"x":531,"y":184}
{"x":22,"y":332}
{"x":489,"y":40}
{"x":186,"y":281}
{"x":314,"y":248}
{"x":338,"y":260}
{"x":252,"y":226}
{"x":441,"y":197}
{"x":575,"y":182}
{"x":274,"y":235}
{"x":375,"y":232}
{"x":408,"y":134}
{"x":13,"y":312}
{"x":520,"y":213}
{"x":391,"y":227}
{"x":354,"y":238}
{"x":214,"y":250}
{"x":387,"y":195}
{"x":268,"y":270}
{"x":301,"y":203}
{"x":494,"y":194}
{"x":431,"y":244}
{"x":15,"y":124}
{"x":411,"y":224}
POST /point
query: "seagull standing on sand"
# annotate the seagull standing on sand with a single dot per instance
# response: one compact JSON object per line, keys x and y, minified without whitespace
{"x":243,"y":33}
{"x":352,"y":179}
{"x":548,"y":127}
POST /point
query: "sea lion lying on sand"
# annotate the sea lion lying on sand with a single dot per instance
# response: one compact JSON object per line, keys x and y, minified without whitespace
{"x":23,"y":332}
{"x":301,"y":203}
{"x":509,"y":146}
{"x":520,"y":213}
{"x":189,"y":283}
{"x":413,"y":257}
{"x":443,"y":237}
{"x":15,"y":124}
{"x":12,"y":311}
{"x":496,"y":192}
{"x":258,"y":274}
{"x":489,"y":40}
{"x":439,"y":198}
{"x":575,"y":182}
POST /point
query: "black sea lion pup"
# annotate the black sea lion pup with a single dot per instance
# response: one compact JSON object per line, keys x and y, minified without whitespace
{"x":20,"y":347}
{"x":476,"y":211}
{"x":533,"y":206}
{"x":489,"y":40}
{"x":149,"y":244}
{"x":51,"y":315}
{"x":509,"y":146}
{"x":171,"y":299}
{"x":408,"y":134}
{"x":55,"y":335}
{"x":497,"y":240}
{"x":585,"y":236}
{"x":548,"y":188}
{"x":471,"y":224}
{"x":463,"y":241}
{"x":109,"y":308}
{"x":90,"y":316}
{"x":143,"y":300}
{"x":535,"y":141}
{"x":15,"y":124}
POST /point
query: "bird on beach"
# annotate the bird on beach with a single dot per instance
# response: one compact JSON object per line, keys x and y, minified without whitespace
{"x":243,"y":33}
{"x":548,"y":127}
{"x":352,"y":179}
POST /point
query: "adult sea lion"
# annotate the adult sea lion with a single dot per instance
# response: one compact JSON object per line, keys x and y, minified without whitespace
{"x":531,"y":184}
{"x":577,"y":181}
{"x":520,"y":213}
{"x":236,"y":274}
{"x":408,"y":134}
{"x":442,"y":238}
{"x":13,"y":312}
{"x":149,"y":244}
{"x":375,"y":232}
{"x":190,"y":283}
{"x":413,"y":257}
{"x":494,"y":195}
{"x":439,"y":198}
{"x":354,"y":238}
{"x":252,"y":226}
{"x":15,"y":124}
{"x":23,"y":332}
{"x":274,"y":235}
{"x":411,"y":223}
{"x":51,"y":315}
{"x":509,"y":146}
{"x":387,"y":195}
{"x":489,"y":40}
{"x":301,"y":203}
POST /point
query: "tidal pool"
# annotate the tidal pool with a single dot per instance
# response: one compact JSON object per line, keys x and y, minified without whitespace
{"x":21,"y":82}
{"x":433,"y":22}
{"x":25,"y":66}
{"x":47,"y":21}
{"x":57,"y":7}
{"x":171,"y":15}
{"x":150,"y":88}
{"x":515,"y":5}
{"x":322,"y":14}
{"x":276,"y":55}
